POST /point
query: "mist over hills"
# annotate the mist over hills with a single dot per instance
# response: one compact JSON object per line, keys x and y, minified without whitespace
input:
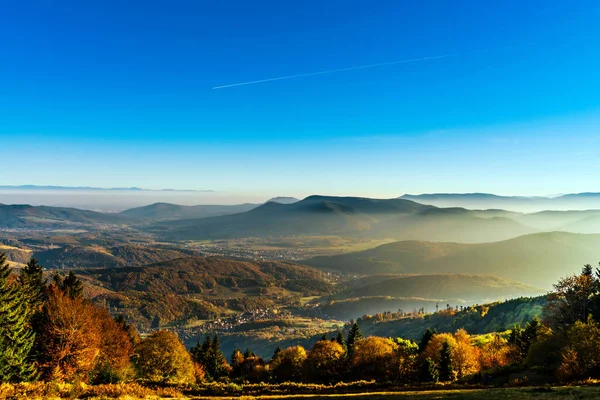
{"x":163,"y":211}
{"x":35,"y":217}
{"x":470,"y":288}
{"x":575,"y":201}
{"x":537,"y":259}
{"x":350,"y":216}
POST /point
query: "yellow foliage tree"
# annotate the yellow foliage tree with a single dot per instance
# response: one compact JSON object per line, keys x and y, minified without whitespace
{"x":162,"y":358}
{"x":288,"y":364}
{"x":324,"y":362}
{"x":375,"y":358}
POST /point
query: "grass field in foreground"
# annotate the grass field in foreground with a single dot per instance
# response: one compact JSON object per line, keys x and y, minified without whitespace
{"x":554,"y":393}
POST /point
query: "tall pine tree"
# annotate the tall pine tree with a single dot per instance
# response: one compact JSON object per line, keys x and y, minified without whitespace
{"x":446,"y":363}
{"x":33,"y":285}
{"x":16,"y":336}
{"x":353,"y":336}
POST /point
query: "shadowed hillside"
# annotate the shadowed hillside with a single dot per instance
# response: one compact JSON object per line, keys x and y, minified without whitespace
{"x":469,"y":288}
{"x":538,"y":259}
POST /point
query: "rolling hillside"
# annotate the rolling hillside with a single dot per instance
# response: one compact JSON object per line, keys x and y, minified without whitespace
{"x":36,"y":217}
{"x":76,"y":257}
{"x":537,"y":259}
{"x":192,"y":288}
{"x":349,"y":216}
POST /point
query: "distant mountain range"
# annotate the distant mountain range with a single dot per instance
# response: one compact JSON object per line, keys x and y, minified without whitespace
{"x":398,"y":219}
{"x":575,"y":201}
{"x":538,"y":259}
{"x":89,"y":188}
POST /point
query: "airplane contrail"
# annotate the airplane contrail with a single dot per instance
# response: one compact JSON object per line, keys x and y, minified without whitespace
{"x":330,"y":71}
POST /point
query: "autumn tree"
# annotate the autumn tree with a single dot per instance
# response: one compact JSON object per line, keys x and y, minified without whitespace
{"x":581,"y":352}
{"x":374,"y":358}
{"x":496,"y":353}
{"x":116,"y":349}
{"x":325,"y":362}
{"x":465,"y":357}
{"x":405,"y":359}
{"x":288,"y":364}
{"x":162,"y":358}
{"x":69,"y":339}
{"x":574,"y":298}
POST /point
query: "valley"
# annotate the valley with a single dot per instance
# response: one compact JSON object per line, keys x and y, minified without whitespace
{"x":285,"y":272}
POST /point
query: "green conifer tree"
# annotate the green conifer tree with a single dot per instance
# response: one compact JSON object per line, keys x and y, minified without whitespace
{"x":429,"y":371}
{"x":426,"y":338}
{"x":446,"y":363}
{"x":353,"y":336}
{"x":33,"y":285}
{"x":72,"y":286}
{"x":16,"y":336}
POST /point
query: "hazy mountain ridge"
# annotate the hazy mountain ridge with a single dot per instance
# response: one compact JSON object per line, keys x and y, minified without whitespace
{"x":163,"y":211}
{"x":537,"y":259}
{"x":350,"y":216}
{"x":27,"y":216}
{"x":574,"y":201}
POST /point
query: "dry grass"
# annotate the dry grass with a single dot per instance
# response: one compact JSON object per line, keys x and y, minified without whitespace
{"x":132,"y":391}
{"x":51,"y":390}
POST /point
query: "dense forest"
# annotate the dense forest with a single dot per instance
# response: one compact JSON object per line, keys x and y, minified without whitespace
{"x":50,"y":332}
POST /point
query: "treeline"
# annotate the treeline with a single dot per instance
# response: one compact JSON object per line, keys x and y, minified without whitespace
{"x":49,"y":332}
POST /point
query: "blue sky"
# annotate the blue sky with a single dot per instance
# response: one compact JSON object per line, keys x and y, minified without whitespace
{"x":119,"y":93}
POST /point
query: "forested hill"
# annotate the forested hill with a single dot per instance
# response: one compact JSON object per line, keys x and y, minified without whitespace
{"x":197,"y":288}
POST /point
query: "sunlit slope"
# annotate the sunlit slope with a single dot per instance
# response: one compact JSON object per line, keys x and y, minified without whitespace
{"x":537,"y":259}
{"x":350,"y":216}
{"x":69,"y":257}
{"x":192,"y":288}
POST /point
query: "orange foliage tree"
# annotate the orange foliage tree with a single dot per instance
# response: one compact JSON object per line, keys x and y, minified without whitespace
{"x":69,"y":340}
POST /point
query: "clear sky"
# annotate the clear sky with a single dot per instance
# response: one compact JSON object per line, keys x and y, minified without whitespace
{"x":120,"y":93}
